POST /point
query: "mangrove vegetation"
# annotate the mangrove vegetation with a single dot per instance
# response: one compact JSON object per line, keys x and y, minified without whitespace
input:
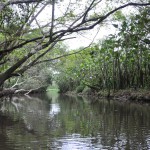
{"x":33,"y":54}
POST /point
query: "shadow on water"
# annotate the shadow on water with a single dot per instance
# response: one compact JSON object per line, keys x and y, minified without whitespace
{"x":62,"y":122}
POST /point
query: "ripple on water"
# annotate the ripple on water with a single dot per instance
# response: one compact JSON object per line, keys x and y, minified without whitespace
{"x":75,"y":142}
{"x":74,"y":125}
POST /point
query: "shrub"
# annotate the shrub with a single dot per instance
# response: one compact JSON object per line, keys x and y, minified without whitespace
{"x":63,"y":86}
{"x":87,"y":91}
{"x":80,"y":88}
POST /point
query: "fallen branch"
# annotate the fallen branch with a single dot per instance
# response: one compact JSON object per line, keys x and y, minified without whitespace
{"x":13,"y":91}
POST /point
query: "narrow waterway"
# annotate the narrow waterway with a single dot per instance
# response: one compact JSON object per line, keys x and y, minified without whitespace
{"x":55,"y":122}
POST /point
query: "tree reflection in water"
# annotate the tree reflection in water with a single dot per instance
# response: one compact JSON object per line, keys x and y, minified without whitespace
{"x":62,"y":122}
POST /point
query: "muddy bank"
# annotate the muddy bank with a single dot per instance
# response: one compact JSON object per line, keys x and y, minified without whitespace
{"x":141,"y":96}
{"x":132,"y":95}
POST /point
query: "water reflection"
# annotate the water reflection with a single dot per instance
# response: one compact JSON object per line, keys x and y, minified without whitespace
{"x":75,"y":142}
{"x":64,"y":123}
{"x":55,"y":109}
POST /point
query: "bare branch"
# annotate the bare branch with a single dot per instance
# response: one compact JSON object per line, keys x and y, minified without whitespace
{"x":52,"y":23}
{"x":82,"y":27}
{"x":39,"y":27}
{"x":35,"y":16}
{"x":88,"y":9}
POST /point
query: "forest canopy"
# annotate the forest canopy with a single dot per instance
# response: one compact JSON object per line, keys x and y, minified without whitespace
{"x":26,"y":42}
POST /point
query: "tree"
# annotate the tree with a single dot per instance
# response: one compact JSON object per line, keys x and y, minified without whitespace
{"x":120,"y":61}
{"x":33,"y":46}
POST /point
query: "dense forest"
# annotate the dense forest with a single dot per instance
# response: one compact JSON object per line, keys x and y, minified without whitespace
{"x":120,"y":61}
{"x":33,"y":53}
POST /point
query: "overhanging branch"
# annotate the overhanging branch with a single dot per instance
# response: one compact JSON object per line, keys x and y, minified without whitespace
{"x":97,"y":20}
{"x":11,"y":2}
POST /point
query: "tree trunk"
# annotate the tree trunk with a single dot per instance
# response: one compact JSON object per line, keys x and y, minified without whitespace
{"x":9,"y":73}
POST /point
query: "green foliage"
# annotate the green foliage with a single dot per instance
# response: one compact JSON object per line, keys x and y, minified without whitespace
{"x":119,"y":16}
{"x":80,"y":88}
{"x":87,"y":91}
{"x":38,"y":76}
{"x":63,"y":86}
{"x":119,"y":61}
{"x":107,"y":64}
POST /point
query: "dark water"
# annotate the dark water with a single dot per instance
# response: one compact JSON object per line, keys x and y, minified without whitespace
{"x":66,"y":123}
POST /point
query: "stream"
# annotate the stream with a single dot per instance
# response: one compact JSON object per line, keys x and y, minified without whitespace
{"x":56,"y":122}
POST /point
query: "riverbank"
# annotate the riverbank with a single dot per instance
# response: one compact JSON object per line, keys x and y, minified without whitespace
{"x":140,"y":95}
{"x":132,"y":95}
{"x":14,"y":91}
